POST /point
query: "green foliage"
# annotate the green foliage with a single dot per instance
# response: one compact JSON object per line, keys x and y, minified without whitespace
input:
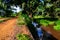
{"x":57,"y":27}
{"x":33,"y":6}
{"x":38,"y":16}
{"x":48,"y":0}
{"x":57,"y":22}
{"x":21,"y":20}
{"x":27,"y":19}
{"x":23,"y":37}
{"x":41,"y":8}
{"x":57,"y":9}
{"x":48,"y":5}
{"x":14,"y":14}
{"x":44,"y":22}
{"x":4,"y":20}
{"x":1,"y":21}
{"x":51,"y":22}
{"x":0,"y":17}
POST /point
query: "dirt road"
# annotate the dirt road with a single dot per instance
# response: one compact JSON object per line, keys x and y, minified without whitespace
{"x":9,"y":29}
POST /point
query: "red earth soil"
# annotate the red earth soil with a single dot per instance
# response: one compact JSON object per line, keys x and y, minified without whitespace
{"x":9,"y":29}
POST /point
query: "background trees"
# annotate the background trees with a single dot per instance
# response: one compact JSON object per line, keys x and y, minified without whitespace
{"x":44,"y":8}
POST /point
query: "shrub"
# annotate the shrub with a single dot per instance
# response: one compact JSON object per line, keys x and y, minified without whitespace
{"x":44,"y":22}
{"x":57,"y":27}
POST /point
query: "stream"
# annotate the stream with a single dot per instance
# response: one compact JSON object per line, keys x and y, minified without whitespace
{"x":38,"y":33}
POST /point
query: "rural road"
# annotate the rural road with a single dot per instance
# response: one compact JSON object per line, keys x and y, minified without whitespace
{"x":9,"y":29}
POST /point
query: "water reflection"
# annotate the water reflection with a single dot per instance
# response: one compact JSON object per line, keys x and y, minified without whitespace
{"x":39,"y":30}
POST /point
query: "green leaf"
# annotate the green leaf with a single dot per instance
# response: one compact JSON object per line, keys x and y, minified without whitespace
{"x":57,"y":22}
{"x":57,"y":9}
{"x":51,"y":22}
{"x":48,"y":0}
{"x":40,"y":16}
{"x":44,"y":22}
{"x":23,"y":37}
{"x":57,"y":27}
{"x":40,"y":8}
{"x":48,"y":5}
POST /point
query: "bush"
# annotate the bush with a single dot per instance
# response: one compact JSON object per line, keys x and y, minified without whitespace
{"x":57,"y":27}
{"x":38,"y":16}
{"x":44,"y":22}
{"x":21,"y":20}
{"x":57,"y":22}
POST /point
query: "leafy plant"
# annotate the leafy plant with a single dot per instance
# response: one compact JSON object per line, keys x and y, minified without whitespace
{"x":21,"y":20}
{"x":13,"y":14}
{"x":57,"y":22}
{"x":38,"y":16}
{"x":48,"y":5}
{"x":57,"y":9}
{"x":57,"y":27}
{"x":23,"y":37}
{"x":48,"y":0}
{"x":44,"y":22}
{"x":51,"y":22}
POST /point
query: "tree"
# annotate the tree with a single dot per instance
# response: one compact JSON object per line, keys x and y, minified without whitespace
{"x":46,"y":8}
{"x":5,"y":7}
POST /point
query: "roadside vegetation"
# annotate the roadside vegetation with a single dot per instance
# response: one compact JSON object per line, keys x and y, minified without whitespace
{"x":23,"y":37}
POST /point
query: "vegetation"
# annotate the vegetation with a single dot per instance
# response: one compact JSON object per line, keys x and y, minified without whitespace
{"x":57,"y":26}
{"x":23,"y":19}
{"x":44,"y":8}
{"x":34,"y":8}
{"x":23,"y":37}
{"x":4,"y":20}
{"x":1,"y":21}
{"x":46,"y":23}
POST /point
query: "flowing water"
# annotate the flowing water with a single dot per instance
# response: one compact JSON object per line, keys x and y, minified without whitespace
{"x":38,"y":33}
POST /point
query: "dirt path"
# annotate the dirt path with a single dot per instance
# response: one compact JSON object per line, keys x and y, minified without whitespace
{"x":9,"y":29}
{"x":24,"y":30}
